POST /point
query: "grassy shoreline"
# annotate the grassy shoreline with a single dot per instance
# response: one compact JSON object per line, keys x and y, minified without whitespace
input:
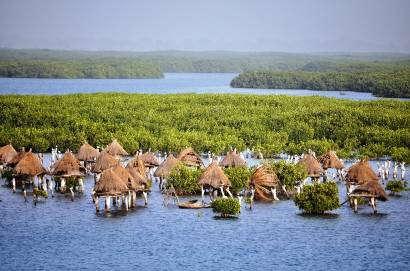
{"x":208,"y":122}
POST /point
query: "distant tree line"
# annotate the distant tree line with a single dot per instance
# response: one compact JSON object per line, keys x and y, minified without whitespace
{"x":394,"y":84}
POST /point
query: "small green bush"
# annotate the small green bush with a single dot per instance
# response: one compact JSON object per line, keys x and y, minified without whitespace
{"x":289,"y":174}
{"x":185,"y":180}
{"x":239,"y":177}
{"x":396,"y":186}
{"x":40,"y":193}
{"x":318,"y":198}
{"x":226,"y":206}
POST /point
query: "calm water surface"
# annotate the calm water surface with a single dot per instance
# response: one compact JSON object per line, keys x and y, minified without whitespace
{"x":171,"y":83}
{"x":63,"y":235}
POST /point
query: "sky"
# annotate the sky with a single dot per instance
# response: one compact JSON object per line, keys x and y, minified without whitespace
{"x":237,"y":25}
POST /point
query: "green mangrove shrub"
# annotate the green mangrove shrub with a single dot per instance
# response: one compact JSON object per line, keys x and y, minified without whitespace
{"x":239,"y":177}
{"x":40,"y":193}
{"x":185,"y":180}
{"x":318,"y":198}
{"x":396,"y":186}
{"x":7,"y":175}
{"x":226,"y":206}
{"x":289,"y":174}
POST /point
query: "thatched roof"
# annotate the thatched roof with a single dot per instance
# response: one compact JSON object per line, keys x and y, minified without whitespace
{"x":126,"y":177}
{"x":68,"y":165}
{"x":30,"y":165}
{"x":214,"y":176}
{"x":232,"y":159}
{"x":16,"y":158}
{"x":140,"y":181}
{"x":330,"y":160}
{"x":7,"y":153}
{"x":87,"y":153}
{"x":164,"y":170}
{"x":115,"y":148}
{"x":149,"y":159}
{"x":371,"y":189}
{"x":265,"y":176}
{"x":104,"y":161}
{"x":110,"y":184}
{"x":361,"y":173}
{"x":190,"y":158}
{"x":312,"y":165}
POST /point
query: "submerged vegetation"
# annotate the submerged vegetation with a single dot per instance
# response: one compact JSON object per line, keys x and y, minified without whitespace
{"x":318,"y":198}
{"x":384,"y":83}
{"x":226,"y":206}
{"x":396,"y":186}
{"x":85,"y":68}
{"x":269,"y":124}
{"x":185,"y":180}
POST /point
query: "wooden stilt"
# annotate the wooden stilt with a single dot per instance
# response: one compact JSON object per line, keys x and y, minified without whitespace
{"x":273,"y":190}
{"x":107,"y":204}
{"x":97,"y":205}
{"x":145,"y":197}
{"x":229,"y":192}
{"x":355,"y":204}
{"x":202,"y":194}
{"x":373,"y":203}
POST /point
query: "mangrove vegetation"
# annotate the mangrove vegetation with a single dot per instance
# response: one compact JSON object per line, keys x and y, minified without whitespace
{"x":215,"y":123}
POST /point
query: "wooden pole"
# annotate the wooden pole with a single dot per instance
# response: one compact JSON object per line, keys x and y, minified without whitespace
{"x":145,"y":197}
{"x":97,"y":205}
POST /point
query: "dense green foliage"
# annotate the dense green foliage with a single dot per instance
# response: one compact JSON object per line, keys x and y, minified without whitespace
{"x":269,"y":124}
{"x":386,"y":84}
{"x":226,"y":206}
{"x":396,"y":186}
{"x":225,"y":61}
{"x":7,"y":175}
{"x":239,"y":177}
{"x":185,"y":180}
{"x":289,"y":174}
{"x":40,"y":193}
{"x":318,"y":198}
{"x":101,"y":68}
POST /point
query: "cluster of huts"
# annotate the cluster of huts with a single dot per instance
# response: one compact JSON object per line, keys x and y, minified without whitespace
{"x":119,"y":181}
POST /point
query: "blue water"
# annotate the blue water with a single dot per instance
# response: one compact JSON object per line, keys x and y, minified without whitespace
{"x":171,"y":83}
{"x":62,"y":235}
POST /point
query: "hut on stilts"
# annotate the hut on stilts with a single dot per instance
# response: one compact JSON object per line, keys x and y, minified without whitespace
{"x":68,"y":173}
{"x":7,"y":153}
{"x":164,"y":170}
{"x":214,"y":178}
{"x":264,"y":182}
{"x":109,"y":186}
{"x":330,"y":160}
{"x":115,"y":149}
{"x":104,"y":161}
{"x":190,"y":158}
{"x":314,"y":169}
{"x":87,"y":154}
{"x":29,"y":170}
{"x":232,"y":159}
{"x":362,"y":182}
{"x":149,"y":159}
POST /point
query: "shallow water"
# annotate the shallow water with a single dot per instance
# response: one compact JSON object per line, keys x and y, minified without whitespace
{"x":60,"y":234}
{"x":171,"y":83}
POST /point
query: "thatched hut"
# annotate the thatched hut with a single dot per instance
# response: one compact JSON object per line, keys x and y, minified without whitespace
{"x":362,"y":182}
{"x":190,"y":158}
{"x":164,"y":170}
{"x":29,"y":165}
{"x":67,"y":166}
{"x":7,"y":153}
{"x":330,"y":160}
{"x":87,"y":153}
{"x":232,"y":159}
{"x":214,"y":178}
{"x":264,"y":181}
{"x":110,"y":185}
{"x":149,"y":159}
{"x":104,"y":161}
{"x":312,"y":165}
{"x":138,"y":164}
{"x":115,"y":149}
{"x":16,"y":158}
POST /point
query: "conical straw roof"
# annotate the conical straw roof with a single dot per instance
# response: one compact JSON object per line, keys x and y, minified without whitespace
{"x":361,"y":173}
{"x":164,"y":170}
{"x":125,"y":176}
{"x":265,"y":176}
{"x":110,"y":184}
{"x":371,"y":189}
{"x":330,"y":160}
{"x":104,"y":161}
{"x":7,"y":153}
{"x":68,"y":165}
{"x":30,"y":165}
{"x":87,"y":153}
{"x":140,"y":181}
{"x":232,"y":159}
{"x":190,"y":158}
{"x":138,"y":164}
{"x":16,"y":158}
{"x":312,"y":165}
{"x":115,"y":149}
{"x":149,"y":159}
{"x":214,"y":176}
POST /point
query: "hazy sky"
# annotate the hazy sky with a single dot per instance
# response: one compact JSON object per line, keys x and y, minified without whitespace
{"x":252,"y":25}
